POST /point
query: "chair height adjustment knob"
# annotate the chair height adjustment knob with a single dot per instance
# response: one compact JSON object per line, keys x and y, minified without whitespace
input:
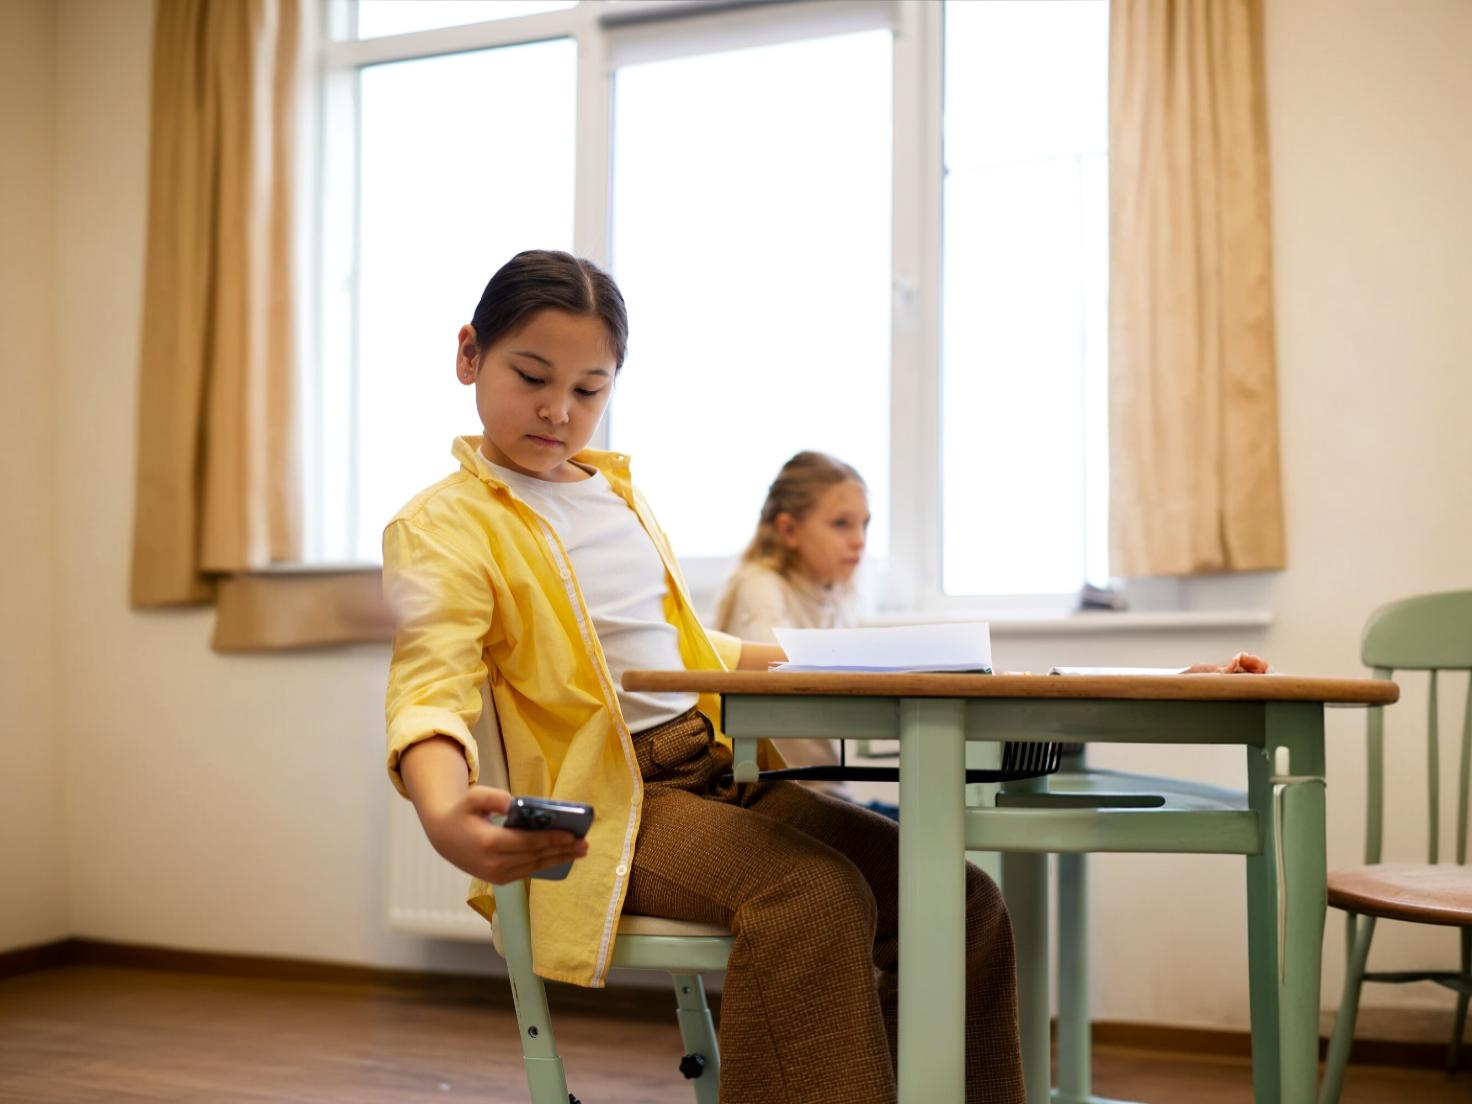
{"x":692,"y":1066}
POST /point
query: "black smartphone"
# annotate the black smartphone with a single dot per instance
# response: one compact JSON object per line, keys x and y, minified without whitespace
{"x":539,"y":814}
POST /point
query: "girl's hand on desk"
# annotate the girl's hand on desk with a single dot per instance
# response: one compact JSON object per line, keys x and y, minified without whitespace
{"x":1243,"y":663}
{"x":464,"y":835}
{"x":756,"y":656}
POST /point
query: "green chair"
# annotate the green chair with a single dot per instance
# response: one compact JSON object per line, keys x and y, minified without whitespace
{"x":1079,"y":811}
{"x":1432,"y":633}
{"x":682,"y":949}
{"x":1097,"y":788}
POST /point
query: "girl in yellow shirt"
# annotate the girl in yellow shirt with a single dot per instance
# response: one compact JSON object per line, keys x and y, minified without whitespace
{"x":537,"y":571}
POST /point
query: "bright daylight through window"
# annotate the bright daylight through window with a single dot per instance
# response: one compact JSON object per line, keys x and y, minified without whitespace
{"x":743,"y":176}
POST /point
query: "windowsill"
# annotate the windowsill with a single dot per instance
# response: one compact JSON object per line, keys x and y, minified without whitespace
{"x":1002,"y":622}
{"x":320,"y":567}
{"x":1086,"y":624}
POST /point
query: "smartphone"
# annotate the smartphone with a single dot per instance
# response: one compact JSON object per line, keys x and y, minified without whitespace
{"x":537,"y":814}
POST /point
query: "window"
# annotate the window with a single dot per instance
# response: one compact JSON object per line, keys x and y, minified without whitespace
{"x":753,"y":251}
{"x":377,"y":18}
{"x":1026,"y":267}
{"x":823,"y":244}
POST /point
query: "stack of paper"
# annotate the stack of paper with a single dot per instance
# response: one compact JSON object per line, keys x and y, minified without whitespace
{"x":1118,"y":671}
{"x":948,"y":647}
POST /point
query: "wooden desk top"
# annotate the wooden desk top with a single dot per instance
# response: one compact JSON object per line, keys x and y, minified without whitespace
{"x":1263,"y":688}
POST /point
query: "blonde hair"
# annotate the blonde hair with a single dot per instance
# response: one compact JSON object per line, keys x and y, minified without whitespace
{"x":795,"y":491}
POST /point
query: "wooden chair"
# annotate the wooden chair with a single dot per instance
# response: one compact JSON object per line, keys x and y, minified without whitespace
{"x":682,"y":949}
{"x":1432,"y":633}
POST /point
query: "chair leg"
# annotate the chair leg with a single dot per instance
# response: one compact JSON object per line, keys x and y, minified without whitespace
{"x":1359,"y":931}
{"x":1459,"y":1022}
{"x":1074,"y":1070}
{"x":544,"y":1074}
{"x":698,"y":1033}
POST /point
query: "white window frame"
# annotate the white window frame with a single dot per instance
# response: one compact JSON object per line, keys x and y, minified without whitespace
{"x":607,"y":36}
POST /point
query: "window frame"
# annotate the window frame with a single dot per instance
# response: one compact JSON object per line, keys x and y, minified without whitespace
{"x":606,"y":36}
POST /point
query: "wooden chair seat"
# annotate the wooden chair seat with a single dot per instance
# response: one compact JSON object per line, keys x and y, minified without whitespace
{"x":1431,"y":633}
{"x":1418,"y":892}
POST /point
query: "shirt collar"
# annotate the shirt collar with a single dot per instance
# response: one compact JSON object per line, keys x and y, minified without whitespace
{"x":613,"y":465}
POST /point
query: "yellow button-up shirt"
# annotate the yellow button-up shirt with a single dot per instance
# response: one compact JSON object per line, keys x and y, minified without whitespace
{"x":482,"y":588}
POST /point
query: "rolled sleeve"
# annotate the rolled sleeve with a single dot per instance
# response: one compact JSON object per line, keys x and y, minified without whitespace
{"x":441,"y":600}
{"x":758,"y":607}
{"x":728,"y":648}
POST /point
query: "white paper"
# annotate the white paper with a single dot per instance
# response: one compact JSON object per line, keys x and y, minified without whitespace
{"x":947,"y":647}
{"x":1118,"y":671}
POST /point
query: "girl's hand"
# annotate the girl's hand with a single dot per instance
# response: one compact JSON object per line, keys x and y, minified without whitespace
{"x":462,"y":833}
{"x":1243,"y":663}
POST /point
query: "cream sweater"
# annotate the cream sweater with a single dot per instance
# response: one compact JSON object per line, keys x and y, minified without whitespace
{"x":761,"y":600}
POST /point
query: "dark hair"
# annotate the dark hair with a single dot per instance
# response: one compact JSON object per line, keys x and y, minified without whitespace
{"x":538,"y":279}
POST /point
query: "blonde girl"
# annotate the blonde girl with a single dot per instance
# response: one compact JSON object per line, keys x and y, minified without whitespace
{"x":798,"y":571}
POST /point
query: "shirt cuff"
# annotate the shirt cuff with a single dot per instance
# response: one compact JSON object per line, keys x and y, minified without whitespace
{"x":728,"y":649}
{"x":419,"y":722}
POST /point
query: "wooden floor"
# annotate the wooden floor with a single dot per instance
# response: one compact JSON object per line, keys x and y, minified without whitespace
{"x":87,"y":1033}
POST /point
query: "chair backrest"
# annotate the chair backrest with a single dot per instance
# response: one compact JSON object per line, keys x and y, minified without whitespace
{"x":1431,"y":632}
{"x":492,"y":751}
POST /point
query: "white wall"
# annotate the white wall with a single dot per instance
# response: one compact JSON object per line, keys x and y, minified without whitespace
{"x":33,"y":902}
{"x":1372,"y":149}
{"x":237,"y":804}
{"x":231,"y":804}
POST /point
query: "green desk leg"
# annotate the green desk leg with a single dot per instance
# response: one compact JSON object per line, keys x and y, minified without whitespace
{"x":1025,"y":877}
{"x":1286,"y":900}
{"x":932,"y":998}
{"x":984,"y":755}
{"x":743,"y":760}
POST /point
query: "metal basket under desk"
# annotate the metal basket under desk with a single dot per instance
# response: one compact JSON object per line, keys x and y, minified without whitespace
{"x":1019,"y":761}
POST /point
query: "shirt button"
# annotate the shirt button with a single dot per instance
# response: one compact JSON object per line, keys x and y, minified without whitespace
{"x":621,"y":870}
{"x":565,"y":574}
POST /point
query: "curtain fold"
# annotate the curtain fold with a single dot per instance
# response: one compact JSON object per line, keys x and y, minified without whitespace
{"x":1195,"y":484}
{"x":217,"y":480}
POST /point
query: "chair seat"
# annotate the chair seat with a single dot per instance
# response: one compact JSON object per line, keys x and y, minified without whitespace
{"x":1418,"y":892}
{"x":1178,"y":793}
{"x":629,"y":924}
{"x":633,"y":924}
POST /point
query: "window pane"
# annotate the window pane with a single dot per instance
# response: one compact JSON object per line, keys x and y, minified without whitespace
{"x":751,"y":237}
{"x":1023,"y":342}
{"x":377,"y":18}
{"x":465,"y":160}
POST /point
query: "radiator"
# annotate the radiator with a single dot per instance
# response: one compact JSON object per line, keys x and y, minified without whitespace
{"x":426,"y":895}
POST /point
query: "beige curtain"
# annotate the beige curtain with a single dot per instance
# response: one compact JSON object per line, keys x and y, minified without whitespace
{"x":217,"y":464}
{"x":1194,"y":479}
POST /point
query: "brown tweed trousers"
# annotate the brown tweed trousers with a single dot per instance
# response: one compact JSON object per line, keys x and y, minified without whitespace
{"x":808,"y":886}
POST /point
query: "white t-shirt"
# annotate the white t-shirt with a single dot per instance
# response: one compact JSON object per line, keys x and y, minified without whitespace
{"x":622,"y":580}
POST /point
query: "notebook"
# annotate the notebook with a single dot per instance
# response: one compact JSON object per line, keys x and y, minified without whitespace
{"x":955,"y":647}
{"x":1118,"y":671}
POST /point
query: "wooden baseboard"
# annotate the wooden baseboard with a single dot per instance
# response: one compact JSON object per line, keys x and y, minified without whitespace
{"x":626,"y":1001}
{"x":42,"y":956}
{"x":1166,"y":1039}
